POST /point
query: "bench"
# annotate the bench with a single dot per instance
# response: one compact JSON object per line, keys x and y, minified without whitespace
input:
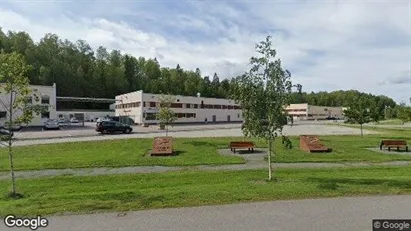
{"x":394,"y":144}
{"x":242,"y":145}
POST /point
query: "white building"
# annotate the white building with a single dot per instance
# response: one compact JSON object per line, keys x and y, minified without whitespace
{"x":89,"y":115}
{"x":40,"y":95}
{"x":308,"y":112}
{"x":143,"y":107}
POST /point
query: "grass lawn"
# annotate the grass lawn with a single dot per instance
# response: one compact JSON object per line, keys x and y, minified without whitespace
{"x":116,"y":153}
{"x":68,"y":194}
{"x":191,"y":151}
{"x":345,"y":149}
{"x":390,"y":122}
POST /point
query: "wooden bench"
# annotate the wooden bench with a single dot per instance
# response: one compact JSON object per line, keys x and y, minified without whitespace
{"x":394,"y":144}
{"x":242,"y":145}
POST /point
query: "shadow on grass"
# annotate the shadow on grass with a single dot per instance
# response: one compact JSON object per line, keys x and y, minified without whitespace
{"x":175,"y":153}
{"x":335,"y":183}
{"x":241,"y":152}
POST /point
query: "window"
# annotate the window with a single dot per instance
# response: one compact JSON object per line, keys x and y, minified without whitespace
{"x":181,"y":115}
{"x":176,"y":105}
{"x":202,"y":104}
{"x":190,"y":115}
{"x":151,"y":116}
{"x":45,"y":100}
{"x":195,"y":105}
{"x":3,"y":114}
{"x":238,"y":115}
{"x":230,"y":107}
{"x":224,"y":106}
{"x":188,"y":105}
{"x":144,"y":104}
{"x":45,"y":115}
{"x":217,"y":106}
{"x":152,"y":104}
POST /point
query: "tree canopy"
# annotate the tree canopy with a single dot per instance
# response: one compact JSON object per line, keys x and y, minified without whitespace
{"x":80,"y":71}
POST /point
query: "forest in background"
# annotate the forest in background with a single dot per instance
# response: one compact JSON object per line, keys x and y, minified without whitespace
{"x":80,"y":71}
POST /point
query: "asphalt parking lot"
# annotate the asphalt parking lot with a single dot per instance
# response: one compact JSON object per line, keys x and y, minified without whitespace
{"x":221,"y":130}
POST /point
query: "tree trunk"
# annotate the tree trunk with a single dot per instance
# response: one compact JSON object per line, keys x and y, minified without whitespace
{"x":166,"y":130}
{"x":361,"y":130}
{"x":269,"y":159}
{"x":13,"y":179}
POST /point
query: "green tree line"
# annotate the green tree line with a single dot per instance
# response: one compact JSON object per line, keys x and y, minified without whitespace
{"x":80,"y":71}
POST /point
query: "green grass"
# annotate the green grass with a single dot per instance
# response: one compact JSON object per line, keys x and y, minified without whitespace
{"x":191,"y":151}
{"x":116,"y":153}
{"x":390,"y":122}
{"x":345,"y":149}
{"x":71,"y":194}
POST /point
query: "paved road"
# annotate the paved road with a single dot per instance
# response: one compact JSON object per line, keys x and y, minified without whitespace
{"x":313,"y":129}
{"x":336,"y":214}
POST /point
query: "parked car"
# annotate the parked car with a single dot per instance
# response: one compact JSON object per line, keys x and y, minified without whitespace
{"x":112,"y":127}
{"x":5,"y":133}
{"x":63,"y":121}
{"x":74,"y":120}
{"x":99,"y":120}
{"x":51,"y":124}
{"x":15,"y":127}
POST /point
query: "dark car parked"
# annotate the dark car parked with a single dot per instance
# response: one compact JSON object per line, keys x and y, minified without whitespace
{"x":112,"y":127}
{"x":5,"y":134}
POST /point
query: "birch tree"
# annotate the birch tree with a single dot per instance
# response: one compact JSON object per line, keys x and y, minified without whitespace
{"x":263,"y":94}
{"x":15,"y":91}
{"x":166,"y":116}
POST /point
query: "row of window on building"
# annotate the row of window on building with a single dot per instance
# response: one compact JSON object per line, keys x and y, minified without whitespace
{"x":177,"y":105}
{"x":44,"y":115}
{"x":152,"y":116}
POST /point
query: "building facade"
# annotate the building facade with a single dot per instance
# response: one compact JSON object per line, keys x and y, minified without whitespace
{"x":44,"y":96}
{"x":310,"y":112}
{"x":89,"y":115}
{"x":143,"y":107}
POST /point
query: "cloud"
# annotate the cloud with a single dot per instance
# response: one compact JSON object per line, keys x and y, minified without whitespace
{"x":403,"y":78}
{"x":327,"y":45}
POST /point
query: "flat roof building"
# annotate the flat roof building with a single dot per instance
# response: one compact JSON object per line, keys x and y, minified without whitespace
{"x":40,"y":95}
{"x":305,"y":111}
{"x":143,"y":107}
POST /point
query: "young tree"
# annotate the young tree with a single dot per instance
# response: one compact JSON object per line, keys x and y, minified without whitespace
{"x":15,"y":90}
{"x":404,"y":113}
{"x":358,"y":112}
{"x":374,"y":111}
{"x":166,"y":116}
{"x":263,"y":93}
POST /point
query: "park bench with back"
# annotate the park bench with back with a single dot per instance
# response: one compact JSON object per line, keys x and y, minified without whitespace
{"x":394,"y":144}
{"x":234,"y":145}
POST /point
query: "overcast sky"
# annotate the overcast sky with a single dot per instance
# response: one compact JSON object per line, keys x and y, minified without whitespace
{"x":327,"y":45}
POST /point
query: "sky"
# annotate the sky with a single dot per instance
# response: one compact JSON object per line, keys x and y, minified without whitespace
{"x":326,"y":45}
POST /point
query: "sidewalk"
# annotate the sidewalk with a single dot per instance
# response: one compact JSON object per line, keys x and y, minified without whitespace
{"x":161,"y":169}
